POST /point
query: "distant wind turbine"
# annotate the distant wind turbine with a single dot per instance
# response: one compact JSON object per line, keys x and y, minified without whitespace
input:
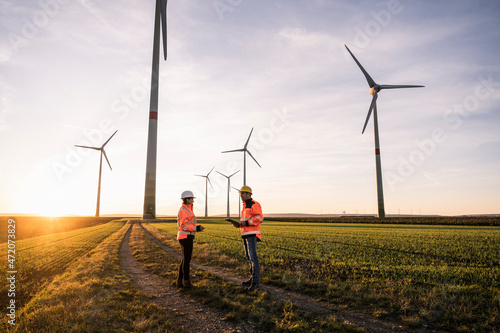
{"x":239,"y":202}
{"x":228,"y":189}
{"x":207,"y":180}
{"x":375,"y":89}
{"x":103,"y":152}
{"x":149,"y":211}
{"x":245,"y":151}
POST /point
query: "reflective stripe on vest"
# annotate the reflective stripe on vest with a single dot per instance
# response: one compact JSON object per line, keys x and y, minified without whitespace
{"x":179,"y":215}
{"x":251,"y":218}
{"x":187,"y":225}
{"x":182,"y":233}
{"x":186,"y":232}
{"x":256,"y":232}
{"x":193,"y":221}
{"x":250,"y":221}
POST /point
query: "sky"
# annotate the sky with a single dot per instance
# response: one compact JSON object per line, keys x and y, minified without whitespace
{"x":74,"y":71}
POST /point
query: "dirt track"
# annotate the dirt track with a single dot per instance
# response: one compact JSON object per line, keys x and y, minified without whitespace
{"x":163,"y":294}
{"x":192,"y":316}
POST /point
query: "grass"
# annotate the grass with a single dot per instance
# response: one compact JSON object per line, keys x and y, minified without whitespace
{"x":39,"y":259}
{"x":256,"y":308}
{"x":426,"y":276}
{"x":33,"y":226}
{"x":93,"y":295}
{"x":394,"y":219}
{"x":442,"y":277}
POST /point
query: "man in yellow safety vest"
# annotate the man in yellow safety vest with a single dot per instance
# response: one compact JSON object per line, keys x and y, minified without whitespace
{"x":251,"y":218}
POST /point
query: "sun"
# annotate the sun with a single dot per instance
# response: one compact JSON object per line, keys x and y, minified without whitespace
{"x":48,"y":211}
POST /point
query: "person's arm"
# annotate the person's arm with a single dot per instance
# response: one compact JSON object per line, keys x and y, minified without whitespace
{"x":186,"y":223}
{"x":256,"y":216}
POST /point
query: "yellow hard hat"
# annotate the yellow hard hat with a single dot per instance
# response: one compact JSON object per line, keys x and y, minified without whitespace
{"x":246,"y":189}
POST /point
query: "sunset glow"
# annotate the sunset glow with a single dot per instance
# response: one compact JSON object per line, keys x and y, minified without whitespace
{"x":281,"y":68}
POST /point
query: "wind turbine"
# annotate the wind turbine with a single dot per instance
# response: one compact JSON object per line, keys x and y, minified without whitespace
{"x":103,"y":152}
{"x":228,"y":189}
{"x":239,"y":202}
{"x":207,"y":180}
{"x":374,"y":90}
{"x":245,"y":151}
{"x":149,"y":211}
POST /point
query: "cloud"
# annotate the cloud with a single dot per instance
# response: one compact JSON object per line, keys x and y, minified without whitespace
{"x":7,"y":93}
{"x":91,"y":63}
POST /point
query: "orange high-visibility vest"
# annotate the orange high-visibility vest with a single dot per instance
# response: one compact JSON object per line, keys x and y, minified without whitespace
{"x":251,"y":218}
{"x":186,"y":221}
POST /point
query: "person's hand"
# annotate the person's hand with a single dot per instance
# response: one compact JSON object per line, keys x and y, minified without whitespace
{"x":202,"y":228}
{"x":236,"y":224}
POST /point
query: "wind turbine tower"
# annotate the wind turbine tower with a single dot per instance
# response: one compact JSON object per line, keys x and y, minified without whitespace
{"x":207,"y":180}
{"x":103,"y":152}
{"x":374,"y":90}
{"x":239,"y":202}
{"x":149,"y":211}
{"x":228,"y":189}
{"x":245,"y":151}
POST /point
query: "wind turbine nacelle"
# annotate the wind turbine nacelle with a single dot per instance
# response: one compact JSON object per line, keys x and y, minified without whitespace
{"x":375,"y":88}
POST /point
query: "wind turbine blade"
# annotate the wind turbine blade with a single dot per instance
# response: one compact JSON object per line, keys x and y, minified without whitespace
{"x":246,"y":144}
{"x":95,"y":148}
{"x":249,"y":153}
{"x":390,"y":86}
{"x":234,"y":173}
{"x":105,"y":143}
{"x":221,"y":174}
{"x":210,"y":182}
{"x":371,"y":82}
{"x":163,"y":15}
{"x":211,"y":170}
{"x":374,"y":100}
{"x":232,"y":151}
{"x":200,"y":175}
{"x":104,"y":152}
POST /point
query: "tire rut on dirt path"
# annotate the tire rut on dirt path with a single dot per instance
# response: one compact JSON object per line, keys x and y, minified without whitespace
{"x":303,"y":302}
{"x":192,"y":316}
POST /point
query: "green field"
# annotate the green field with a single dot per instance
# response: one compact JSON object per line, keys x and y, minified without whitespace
{"x":39,"y":259}
{"x":89,"y":294}
{"x":442,"y":276}
{"x":32,"y":226}
{"x":427,"y":275}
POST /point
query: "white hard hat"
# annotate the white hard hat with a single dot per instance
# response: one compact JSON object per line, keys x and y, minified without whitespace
{"x":187,"y":194}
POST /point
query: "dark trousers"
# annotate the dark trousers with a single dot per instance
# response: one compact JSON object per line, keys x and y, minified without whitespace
{"x":187,"y":252}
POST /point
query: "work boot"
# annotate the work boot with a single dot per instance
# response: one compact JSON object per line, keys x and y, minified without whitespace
{"x":179,"y":284}
{"x":187,"y":284}
{"x":253,"y":286}
{"x":246,"y":283}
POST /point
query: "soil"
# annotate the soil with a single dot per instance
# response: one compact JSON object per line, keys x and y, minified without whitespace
{"x":207,"y":320}
{"x":190,"y":315}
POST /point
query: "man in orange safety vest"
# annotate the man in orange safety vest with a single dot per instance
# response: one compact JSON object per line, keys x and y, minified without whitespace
{"x":251,"y":218}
